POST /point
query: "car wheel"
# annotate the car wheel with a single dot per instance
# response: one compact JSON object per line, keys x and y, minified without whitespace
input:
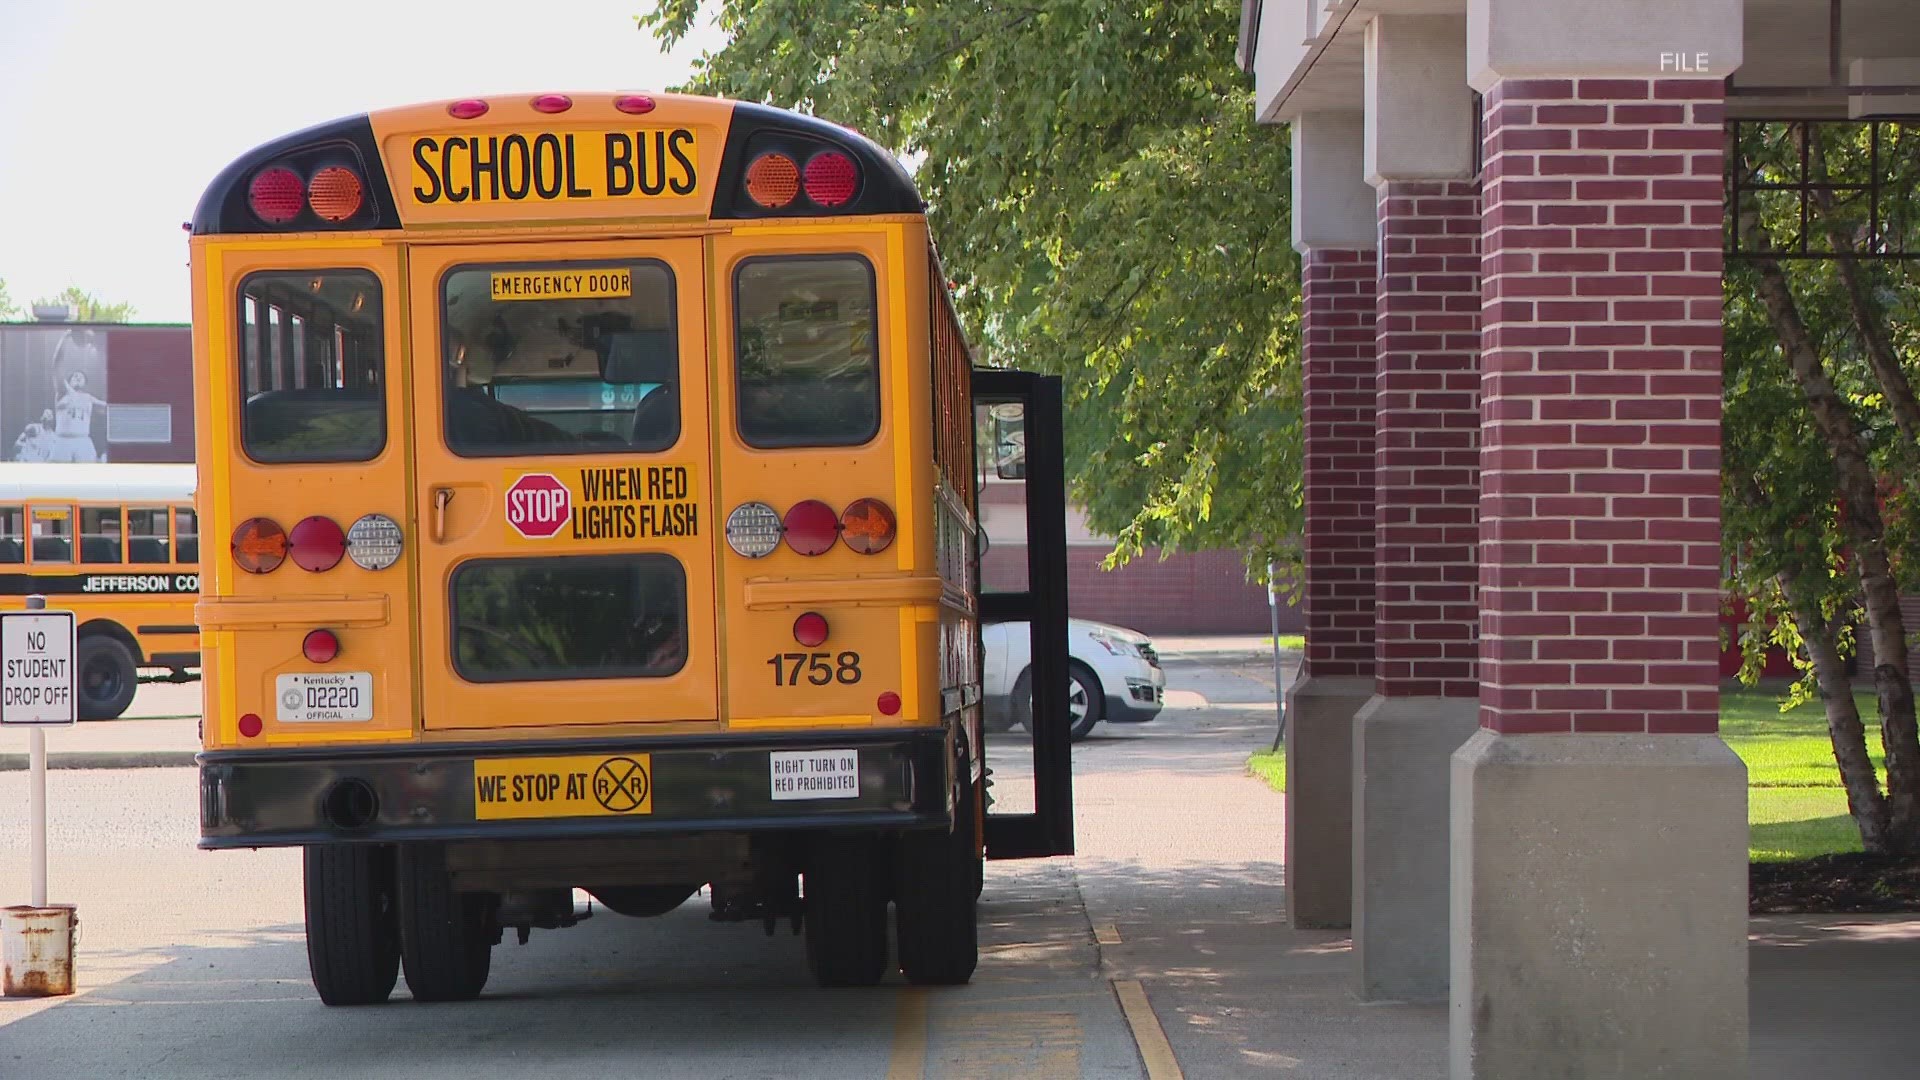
{"x":1086,"y":704}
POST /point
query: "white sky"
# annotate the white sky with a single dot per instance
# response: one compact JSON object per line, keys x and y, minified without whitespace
{"x":114,"y":114}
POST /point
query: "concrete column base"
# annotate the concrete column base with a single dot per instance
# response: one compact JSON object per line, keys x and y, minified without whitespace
{"x":1599,"y":908}
{"x":1319,"y":848}
{"x":1401,"y":750}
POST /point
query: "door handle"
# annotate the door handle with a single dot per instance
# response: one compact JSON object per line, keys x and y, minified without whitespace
{"x":441,"y":497}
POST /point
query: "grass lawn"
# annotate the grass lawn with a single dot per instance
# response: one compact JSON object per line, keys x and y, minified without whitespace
{"x":1796,"y":808}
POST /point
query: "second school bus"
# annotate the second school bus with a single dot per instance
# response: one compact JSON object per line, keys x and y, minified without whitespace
{"x":599,"y":472}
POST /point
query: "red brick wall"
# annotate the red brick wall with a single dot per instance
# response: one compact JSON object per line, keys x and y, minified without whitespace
{"x":1204,"y":592}
{"x":1600,"y":531}
{"x":1337,"y":360}
{"x":152,"y":365}
{"x":1427,"y":440}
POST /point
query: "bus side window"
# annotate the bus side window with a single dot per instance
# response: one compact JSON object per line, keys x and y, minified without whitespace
{"x":100,"y":537}
{"x":186,"y":536}
{"x":13,"y":533}
{"x":147,"y":535}
{"x":53,"y":535}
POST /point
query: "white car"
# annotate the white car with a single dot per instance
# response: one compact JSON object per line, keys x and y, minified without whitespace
{"x":1115,"y":675}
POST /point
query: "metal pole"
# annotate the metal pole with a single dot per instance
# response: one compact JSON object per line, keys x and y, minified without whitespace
{"x":1279,"y":684}
{"x":37,"y":795}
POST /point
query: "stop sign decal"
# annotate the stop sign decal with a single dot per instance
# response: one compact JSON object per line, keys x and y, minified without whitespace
{"x":538,"y":505}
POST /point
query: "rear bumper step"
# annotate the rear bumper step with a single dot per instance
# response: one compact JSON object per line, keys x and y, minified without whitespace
{"x":285,"y":797}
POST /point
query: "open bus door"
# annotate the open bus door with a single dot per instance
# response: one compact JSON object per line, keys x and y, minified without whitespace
{"x":1017,"y":422}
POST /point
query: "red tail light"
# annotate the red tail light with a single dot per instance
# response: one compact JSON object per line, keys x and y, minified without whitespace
{"x":773,"y":180}
{"x":810,"y":629}
{"x":811,"y":527}
{"x":468,"y":109}
{"x":320,"y":646}
{"x":259,"y":545}
{"x":888,"y":703}
{"x":552,"y":103}
{"x":832,"y":178}
{"x":867,"y":526}
{"x":317,"y":543}
{"x":335,"y":193}
{"x":276,"y":196}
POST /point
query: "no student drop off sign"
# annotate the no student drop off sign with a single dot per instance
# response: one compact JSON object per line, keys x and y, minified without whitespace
{"x":36,"y":668}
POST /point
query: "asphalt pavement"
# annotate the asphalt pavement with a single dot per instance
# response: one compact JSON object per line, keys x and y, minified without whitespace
{"x":1160,"y":949}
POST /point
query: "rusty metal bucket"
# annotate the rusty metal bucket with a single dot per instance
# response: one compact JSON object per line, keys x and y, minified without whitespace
{"x":36,"y":950}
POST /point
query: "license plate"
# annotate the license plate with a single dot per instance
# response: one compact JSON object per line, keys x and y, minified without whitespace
{"x":586,"y":785}
{"x":312,"y":697}
{"x":814,"y":774}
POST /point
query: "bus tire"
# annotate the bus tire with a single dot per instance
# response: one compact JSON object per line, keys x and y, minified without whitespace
{"x":935,"y":876}
{"x":353,"y":932}
{"x":106,"y":679}
{"x":446,"y":937}
{"x":846,"y":912}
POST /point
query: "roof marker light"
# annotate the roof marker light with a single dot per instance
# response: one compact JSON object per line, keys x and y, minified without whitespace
{"x":637,"y":104}
{"x":552,"y":103}
{"x":276,"y":195}
{"x":467,"y":109}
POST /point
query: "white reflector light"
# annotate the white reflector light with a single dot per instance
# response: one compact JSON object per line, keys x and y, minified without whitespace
{"x":374,"y":542}
{"x":753,"y":530}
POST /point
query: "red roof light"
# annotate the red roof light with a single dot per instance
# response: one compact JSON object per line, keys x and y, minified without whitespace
{"x":832,"y":178}
{"x":469,"y":109}
{"x":552,"y":103}
{"x":276,"y":196}
{"x":637,"y":104}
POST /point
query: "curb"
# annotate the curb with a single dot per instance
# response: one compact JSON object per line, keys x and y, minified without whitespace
{"x":105,"y":759}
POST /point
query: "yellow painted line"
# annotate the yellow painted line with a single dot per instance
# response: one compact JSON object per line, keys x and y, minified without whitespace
{"x":908,"y":1061}
{"x":1106,"y":934}
{"x":1155,"y":1051}
{"x":773,"y":722}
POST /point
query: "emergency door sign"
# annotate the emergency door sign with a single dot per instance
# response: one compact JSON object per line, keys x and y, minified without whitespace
{"x":36,"y":668}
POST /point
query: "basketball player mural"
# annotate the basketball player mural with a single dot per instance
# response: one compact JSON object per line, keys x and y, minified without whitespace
{"x":65,"y":431}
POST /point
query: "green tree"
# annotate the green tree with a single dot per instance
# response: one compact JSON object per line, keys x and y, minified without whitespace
{"x":88,"y":307}
{"x":1821,"y":439}
{"x":1108,"y":210}
{"x":8,"y":310}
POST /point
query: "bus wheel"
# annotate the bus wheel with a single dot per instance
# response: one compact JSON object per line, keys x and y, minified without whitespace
{"x":353,"y":933}
{"x":446,"y":937}
{"x":107,"y":677}
{"x":846,"y":912}
{"x":934,"y":894}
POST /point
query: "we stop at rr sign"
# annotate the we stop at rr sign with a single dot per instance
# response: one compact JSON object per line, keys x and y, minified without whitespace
{"x":538,"y":505}
{"x":36,"y":667}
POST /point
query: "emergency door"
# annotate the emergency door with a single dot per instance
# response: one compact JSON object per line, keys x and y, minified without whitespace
{"x":1017,"y":427}
{"x":563,"y":475}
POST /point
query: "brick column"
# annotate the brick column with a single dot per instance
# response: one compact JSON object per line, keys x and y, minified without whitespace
{"x":1337,"y":362}
{"x":1337,"y":368}
{"x":1599,"y":832}
{"x":1427,"y":449}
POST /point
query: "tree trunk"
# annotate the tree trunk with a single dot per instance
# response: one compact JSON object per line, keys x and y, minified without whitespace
{"x":1899,"y":734}
{"x":1849,"y":736}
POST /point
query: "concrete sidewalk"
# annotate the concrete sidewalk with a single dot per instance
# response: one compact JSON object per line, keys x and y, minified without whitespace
{"x":161,"y":729}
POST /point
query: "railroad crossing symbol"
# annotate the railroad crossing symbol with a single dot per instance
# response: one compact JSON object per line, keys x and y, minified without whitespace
{"x":538,"y":505}
{"x":620,"y":784}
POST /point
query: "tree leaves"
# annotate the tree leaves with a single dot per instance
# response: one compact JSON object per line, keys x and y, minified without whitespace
{"x":1108,"y":210}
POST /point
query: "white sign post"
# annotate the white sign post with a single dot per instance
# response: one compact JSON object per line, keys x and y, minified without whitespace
{"x":37,"y":692}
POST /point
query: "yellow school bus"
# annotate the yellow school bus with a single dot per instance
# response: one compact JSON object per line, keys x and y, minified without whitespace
{"x":119,"y":546}
{"x":599,"y":472}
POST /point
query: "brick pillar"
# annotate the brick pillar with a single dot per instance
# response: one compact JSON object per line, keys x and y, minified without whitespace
{"x":1427,"y":495}
{"x":1337,"y":342}
{"x":1599,"y":830}
{"x":1427,"y":448}
{"x":1336,"y":355}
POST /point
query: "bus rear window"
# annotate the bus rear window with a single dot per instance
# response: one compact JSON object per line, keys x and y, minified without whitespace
{"x":560,"y":358}
{"x":807,"y":356}
{"x":312,"y":366}
{"x":579,"y":617}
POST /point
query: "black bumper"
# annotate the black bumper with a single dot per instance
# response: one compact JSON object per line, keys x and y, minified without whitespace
{"x":278,"y":798}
